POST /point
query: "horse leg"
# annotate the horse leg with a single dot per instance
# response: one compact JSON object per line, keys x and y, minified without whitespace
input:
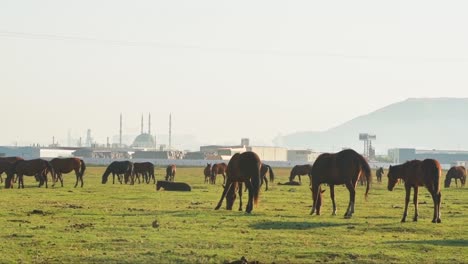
{"x":249,"y":207}
{"x":266,"y":182}
{"x":332,"y":195}
{"x":299,"y":178}
{"x":439,"y":200}
{"x":456,"y":182}
{"x":415,"y":201}
{"x":352,"y":195}
{"x":226,"y":189}
{"x":407,"y":198}
{"x":240,"y":196}
{"x":224,"y":178}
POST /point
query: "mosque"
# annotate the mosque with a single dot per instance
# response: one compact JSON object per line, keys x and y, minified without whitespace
{"x":145,"y":140}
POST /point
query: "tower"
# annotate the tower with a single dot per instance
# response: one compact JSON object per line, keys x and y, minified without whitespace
{"x":170,"y":131}
{"x":141,"y":124}
{"x":120,"y":134}
{"x":149,"y":123}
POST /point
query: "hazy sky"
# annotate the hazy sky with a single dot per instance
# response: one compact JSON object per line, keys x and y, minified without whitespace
{"x":225,"y":69}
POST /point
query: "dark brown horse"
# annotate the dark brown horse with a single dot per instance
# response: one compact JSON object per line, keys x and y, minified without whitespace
{"x":5,"y":161}
{"x":417,"y":173}
{"x":68,"y":165}
{"x":207,"y":173}
{"x":146,"y":170}
{"x":36,"y":167}
{"x":344,"y":167}
{"x":218,"y":168}
{"x":170,"y":172}
{"x":173,"y":186}
{"x":263,"y":171}
{"x":244,"y":168}
{"x":119,"y":168}
{"x":456,"y":172}
{"x":299,"y":170}
{"x":379,"y":173}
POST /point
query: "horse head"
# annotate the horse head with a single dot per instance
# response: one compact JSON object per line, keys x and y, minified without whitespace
{"x":392,"y":178}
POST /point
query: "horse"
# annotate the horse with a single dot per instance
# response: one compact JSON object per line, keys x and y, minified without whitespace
{"x":299,"y":170}
{"x":170,"y":172}
{"x":118,"y":168}
{"x":344,"y":167}
{"x":218,"y":168}
{"x":36,"y":167}
{"x":5,"y":161}
{"x":417,"y":173}
{"x":244,"y":168}
{"x":146,"y":169}
{"x":67,"y":165}
{"x":173,"y":186}
{"x":456,"y":172}
{"x":379,"y":173}
{"x":207,"y":173}
{"x":263,"y":171}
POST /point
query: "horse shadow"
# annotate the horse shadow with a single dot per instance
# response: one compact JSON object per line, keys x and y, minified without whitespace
{"x":448,"y":242}
{"x":294,"y":225}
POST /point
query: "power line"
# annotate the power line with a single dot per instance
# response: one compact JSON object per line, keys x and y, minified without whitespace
{"x":156,"y":44}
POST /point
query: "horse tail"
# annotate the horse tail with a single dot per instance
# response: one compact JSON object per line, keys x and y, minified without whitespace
{"x":82,"y":167}
{"x":256,"y":182}
{"x":272,"y":174}
{"x":365,"y":168}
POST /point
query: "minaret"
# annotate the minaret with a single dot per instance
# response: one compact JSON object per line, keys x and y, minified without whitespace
{"x":141,"y":123}
{"x":149,"y":123}
{"x":170,"y":130}
{"x":120,"y":133}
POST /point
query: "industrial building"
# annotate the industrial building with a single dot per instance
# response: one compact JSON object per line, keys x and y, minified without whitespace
{"x":401,"y":155}
{"x":266,"y":153}
{"x":306,"y":156}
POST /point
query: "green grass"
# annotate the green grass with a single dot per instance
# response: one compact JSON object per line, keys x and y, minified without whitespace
{"x":114,"y":224}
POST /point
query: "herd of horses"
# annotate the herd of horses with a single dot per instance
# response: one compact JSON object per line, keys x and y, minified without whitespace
{"x":346,"y":167}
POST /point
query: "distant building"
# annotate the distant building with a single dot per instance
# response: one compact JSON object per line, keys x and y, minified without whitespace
{"x":166,"y":154}
{"x":306,"y":155}
{"x":265,"y":153}
{"x":101,"y":153}
{"x":36,"y":152}
{"x":144,"y":141}
{"x":401,"y":155}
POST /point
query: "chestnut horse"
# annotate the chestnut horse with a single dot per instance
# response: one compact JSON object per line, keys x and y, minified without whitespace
{"x":67,"y":165}
{"x":170,"y":172}
{"x":299,"y":170}
{"x":146,"y":169}
{"x":243,"y":168}
{"x":263,"y":171}
{"x":36,"y":167}
{"x":417,"y":173}
{"x":379,"y":173}
{"x":5,"y":161}
{"x":344,"y":167}
{"x":118,"y":168}
{"x":218,"y":168}
{"x":456,"y":172}
{"x":207,"y":172}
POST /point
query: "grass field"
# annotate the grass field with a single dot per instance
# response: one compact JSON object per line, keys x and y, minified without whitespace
{"x":114,"y":224}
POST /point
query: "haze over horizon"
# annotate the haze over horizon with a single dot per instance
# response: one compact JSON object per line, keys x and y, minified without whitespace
{"x":225,"y":70}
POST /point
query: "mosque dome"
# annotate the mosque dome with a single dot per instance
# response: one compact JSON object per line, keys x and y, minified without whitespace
{"x":143,"y":140}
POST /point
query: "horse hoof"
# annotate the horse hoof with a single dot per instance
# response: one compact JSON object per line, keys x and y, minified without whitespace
{"x":403,"y":220}
{"x":415,"y":219}
{"x":347,"y":216}
{"x":439,"y":221}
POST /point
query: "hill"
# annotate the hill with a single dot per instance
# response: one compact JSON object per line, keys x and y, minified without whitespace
{"x":429,"y":123}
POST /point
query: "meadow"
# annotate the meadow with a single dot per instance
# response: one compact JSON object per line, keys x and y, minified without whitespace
{"x":114,"y":223}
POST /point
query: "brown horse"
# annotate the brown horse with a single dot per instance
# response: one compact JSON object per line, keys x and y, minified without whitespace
{"x":170,"y":172}
{"x":344,"y":167}
{"x":67,"y":165}
{"x":299,"y":170}
{"x":417,"y":173}
{"x":207,"y":172}
{"x":456,"y":172}
{"x":244,"y":168}
{"x":263,"y":171}
{"x":36,"y":167}
{"x":5,"y":161}
{"x":118,"y":168}
{"x":146,"y":169}
{"x":379,"y":173}
{"x":218,"y":168}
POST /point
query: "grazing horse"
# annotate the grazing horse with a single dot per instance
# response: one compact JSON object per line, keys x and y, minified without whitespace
{"x":118,"y":168}
{"x":173,"y":186}
{"x":344,"y":167}
{"x":218,"y":168}
{"x":207,"y":172}
{"x":456,"y":172}
{"x":263,"y":171}
{"x":243,"y":168}
{"x":417,"y":173}
{"x":5,"y":161}
{"x":36,"y":167}
{"x":170,"y":172}
{"x":299,"y":170}
{"x":146,"y":169}
{"x":67,"y":165}
{"x":379,"y":173}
